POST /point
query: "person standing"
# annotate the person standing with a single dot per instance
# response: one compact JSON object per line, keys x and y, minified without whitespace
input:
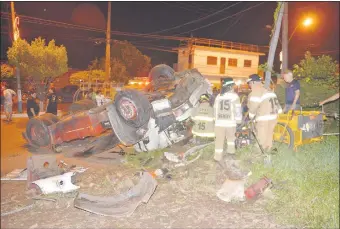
{"x":32,"y":105}
{"x":264,"y":106}
{"x":203,"y":117}
{"x":292,"y":92}
{"x":52,"y":102}
{"x":100,"y":99}
{"x":8,"y":102}
{"x":227,"y":113}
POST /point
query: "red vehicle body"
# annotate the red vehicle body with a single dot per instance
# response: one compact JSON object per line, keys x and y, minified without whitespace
{"x":48,"y":131}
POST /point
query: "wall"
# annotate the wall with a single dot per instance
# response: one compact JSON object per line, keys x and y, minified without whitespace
{"x":183,"y":59}
{"x":200,"y":62}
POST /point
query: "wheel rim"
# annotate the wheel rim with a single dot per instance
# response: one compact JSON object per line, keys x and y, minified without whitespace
{"x":37,"y":135}
{"x":282,"y":134}
{"x":128,"y":109}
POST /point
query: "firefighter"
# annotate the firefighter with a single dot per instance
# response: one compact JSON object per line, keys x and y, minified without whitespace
{"x":264,"y":107}
{"x":203,"y":117}
{"x":227,"y":113}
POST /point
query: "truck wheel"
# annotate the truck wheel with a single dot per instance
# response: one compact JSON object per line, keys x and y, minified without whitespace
{"x":81,"y":105}
{"x":133,"y":107}
{"x":161,"y":74}
{"x":37,"y":132}
{"x":284,"y":134}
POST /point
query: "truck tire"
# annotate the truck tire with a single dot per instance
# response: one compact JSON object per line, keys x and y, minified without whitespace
{"x":161,"y":74}
{"x":81,"y":105}
{"x":133,"y":107}
{"x":37,"y":131}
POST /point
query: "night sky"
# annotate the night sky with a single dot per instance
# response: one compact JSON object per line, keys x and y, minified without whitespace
{"x":148,"y":17}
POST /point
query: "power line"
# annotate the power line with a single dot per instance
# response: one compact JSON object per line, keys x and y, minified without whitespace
{"x":220,"y":19}
{"x":196,"y":20}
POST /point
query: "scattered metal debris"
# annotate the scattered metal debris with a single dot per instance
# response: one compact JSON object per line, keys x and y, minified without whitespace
{"x":61,"y":183}
{"x":232,"y":190}
{"x":121,"y":205}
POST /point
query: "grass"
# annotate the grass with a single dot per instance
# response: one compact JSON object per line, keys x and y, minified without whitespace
{"x":308,"y":184}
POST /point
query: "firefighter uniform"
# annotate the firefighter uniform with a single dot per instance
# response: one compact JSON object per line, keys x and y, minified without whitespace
{"x":264,"y":106}
{"x":227,"y":113}
{"x":203,"y":117}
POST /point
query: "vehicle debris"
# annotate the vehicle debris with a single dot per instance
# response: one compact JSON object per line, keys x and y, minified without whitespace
{"x":16,"y":175}
{"x":122,"y":205}
{"x":232,"y":190}
{"x":61,"y":183}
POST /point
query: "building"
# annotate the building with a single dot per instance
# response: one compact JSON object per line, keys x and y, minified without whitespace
{"x":216,"y":59}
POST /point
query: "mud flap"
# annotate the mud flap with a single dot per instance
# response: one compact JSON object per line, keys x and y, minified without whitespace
{"x":121,"y":205}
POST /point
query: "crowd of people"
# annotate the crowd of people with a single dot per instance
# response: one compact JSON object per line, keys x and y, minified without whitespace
{"x":32,"y":105}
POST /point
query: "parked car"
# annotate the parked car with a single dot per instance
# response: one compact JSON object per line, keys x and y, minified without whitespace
{"x":66,"y":93}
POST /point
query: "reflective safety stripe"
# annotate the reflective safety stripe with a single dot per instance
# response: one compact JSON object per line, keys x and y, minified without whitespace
{"x":218,"y":150}
{"x":230,"y":143}
{"x":251,"y":115}
{"x":268,"y":95}
{"x":255,"y":99}
{"x":203,"y":118}
{"x":225,"y":123}
{"x":266,"y":117}
{"x":209,"y":135}
{"x":279,"y":111}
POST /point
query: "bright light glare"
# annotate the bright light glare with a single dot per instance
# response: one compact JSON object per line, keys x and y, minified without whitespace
{"x":239,"y":82}
{"x":307,"y":22}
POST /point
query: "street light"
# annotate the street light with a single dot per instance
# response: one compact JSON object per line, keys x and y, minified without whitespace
{"x":306,"y":23}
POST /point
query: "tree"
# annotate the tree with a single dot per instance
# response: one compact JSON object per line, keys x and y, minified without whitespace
{"x":137,"y":64}
{"x":92,"y":75}
{"x":7,"y":71}
{"x":118,"y":69}
{"x":322,"y":70}
{"x":38,"y":61}
{"x":126,"y":62}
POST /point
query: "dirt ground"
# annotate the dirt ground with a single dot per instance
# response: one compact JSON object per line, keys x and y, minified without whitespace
{"x":187,"y":200}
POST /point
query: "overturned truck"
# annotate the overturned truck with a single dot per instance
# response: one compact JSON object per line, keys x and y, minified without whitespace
{"x":147,"y":120}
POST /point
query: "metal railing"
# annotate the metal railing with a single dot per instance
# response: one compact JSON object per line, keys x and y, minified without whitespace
{"x":221,"y":44}
{"x":108,"y":89}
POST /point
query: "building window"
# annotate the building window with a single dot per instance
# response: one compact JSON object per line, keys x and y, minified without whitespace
{"x":247,"y":63}
{"x":232,"y":62}
{"x":211,"y":60}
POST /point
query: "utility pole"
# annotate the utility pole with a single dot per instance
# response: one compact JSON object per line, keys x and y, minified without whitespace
{"x":272,"y":47}
{"x":15,"y":23}
{"x":108,"y":40}
{"x":285,"y":38}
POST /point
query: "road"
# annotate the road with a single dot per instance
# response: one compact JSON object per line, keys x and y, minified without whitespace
{"x":14,"y":153}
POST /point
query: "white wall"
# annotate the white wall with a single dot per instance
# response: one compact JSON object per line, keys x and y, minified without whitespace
{"x":200,"y":62}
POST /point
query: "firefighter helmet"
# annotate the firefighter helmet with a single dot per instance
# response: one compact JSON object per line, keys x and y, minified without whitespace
{"x":204,"y":98}
{"x":254,"y":78}
{"x":227,"y":85}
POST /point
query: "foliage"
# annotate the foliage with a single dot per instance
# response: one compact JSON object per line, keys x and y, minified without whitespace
{"x":276,"y":14}
{"x":264,"y":68}
{"x":306,"y":184}
{"x":118,"y":69}
{"x":37,"y":60}
{"x":7,"y":71}
{"x":126,"y":62}
{"x":322,"y":70}
{"x":311,"y":95}
{"x":137,"y":64}
{"x":92,"y":75}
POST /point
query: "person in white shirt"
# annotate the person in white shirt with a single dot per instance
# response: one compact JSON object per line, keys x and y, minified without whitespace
{"x":100,"y":99}
{"x":8,"y":104}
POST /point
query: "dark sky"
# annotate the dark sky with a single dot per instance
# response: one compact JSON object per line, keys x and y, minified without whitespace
{"x":147,"y":17}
